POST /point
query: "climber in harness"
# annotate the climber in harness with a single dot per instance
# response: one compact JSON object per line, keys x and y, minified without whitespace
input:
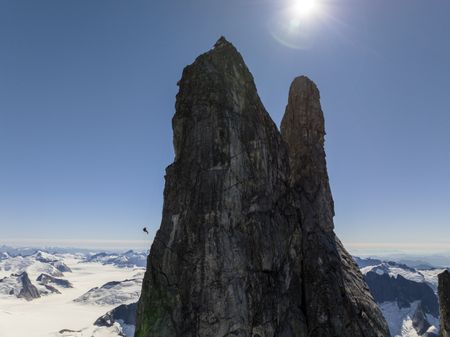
{"x":146,"y":232}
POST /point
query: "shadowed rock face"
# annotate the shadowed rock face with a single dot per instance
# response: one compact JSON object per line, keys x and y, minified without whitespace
{"x":28,"y":291}
{"x":403,"y":291}
{"x":420,"y":322}
{"x":246,"y":244}
{"x":125,"y":313}
{"x":45,"y":279}
{"x":338,"y":300}
{"x":444,"y":302}
{"x":303,"y":129}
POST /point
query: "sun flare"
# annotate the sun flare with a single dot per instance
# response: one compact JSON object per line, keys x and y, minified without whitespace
{"x":304,"y":8}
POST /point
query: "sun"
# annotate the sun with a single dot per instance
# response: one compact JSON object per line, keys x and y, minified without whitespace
{"x":304,"y":8}
{"x":298,"y":22}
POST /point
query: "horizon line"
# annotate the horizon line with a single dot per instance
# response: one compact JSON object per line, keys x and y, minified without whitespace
{"x":376,"y":247}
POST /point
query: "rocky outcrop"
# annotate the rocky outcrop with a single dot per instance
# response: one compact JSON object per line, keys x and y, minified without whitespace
{"x":28,"y":291}
{"x":246,"y":245}
{"x":51,"y":289}
{"x":125,"y":313}
{"x":45,"y":279}
{"x":19,"y":285}
{"x":61,"y":266}
{"x":444,"y":302}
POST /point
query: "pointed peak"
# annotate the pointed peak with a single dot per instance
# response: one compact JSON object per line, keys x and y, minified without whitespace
{"x":221,"y":42}
{"x":222,"y":47}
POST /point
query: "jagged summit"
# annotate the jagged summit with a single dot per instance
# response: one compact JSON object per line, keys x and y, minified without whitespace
{"x":217,"y":85}
{"x":245,"y":248}
{"x":221,"y":42}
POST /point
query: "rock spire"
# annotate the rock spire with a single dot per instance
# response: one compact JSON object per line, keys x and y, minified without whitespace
{"x":246,"y":245}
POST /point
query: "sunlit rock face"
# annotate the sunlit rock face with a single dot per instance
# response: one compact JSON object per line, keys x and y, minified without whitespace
{"x":235,"y":253}
{"x":444,"y":301}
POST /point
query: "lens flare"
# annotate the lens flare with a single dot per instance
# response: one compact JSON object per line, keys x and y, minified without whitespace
{"x":295,"y":25}
{"x":303,"y":8}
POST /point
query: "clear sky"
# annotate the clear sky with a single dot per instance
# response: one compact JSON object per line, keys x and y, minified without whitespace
{"x":87,"y":93}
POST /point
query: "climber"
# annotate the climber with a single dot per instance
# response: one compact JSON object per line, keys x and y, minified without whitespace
{"x":145,"y":230}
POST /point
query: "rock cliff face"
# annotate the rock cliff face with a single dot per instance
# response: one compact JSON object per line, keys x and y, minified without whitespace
{"x":246,"y":245}
{"x":444,"y":301}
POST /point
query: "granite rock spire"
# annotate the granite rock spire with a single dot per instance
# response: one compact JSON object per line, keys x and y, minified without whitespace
{"x":243,"y":208}
{"x":344,"y":306}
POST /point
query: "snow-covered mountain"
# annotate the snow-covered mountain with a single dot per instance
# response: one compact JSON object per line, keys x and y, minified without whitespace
{"x":4,"y":256}
{"x":114,"y":292}
{"x":29,"y":277}
{"x":407,"y":296}
{"x":46,"y":271}
{"x":53,"y":260}
{"x":124,"y":316}
{"x":34,"y":267}
{"x":128,"y":259}
{"x":19,"y":285}
{"x":79,"y":294}
{"x":45,"y":279}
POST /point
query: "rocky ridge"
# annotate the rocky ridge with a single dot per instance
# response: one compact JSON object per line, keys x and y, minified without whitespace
{"x":246,"y":245}
{"x":45,"y":279}
{"x":113,"y":293}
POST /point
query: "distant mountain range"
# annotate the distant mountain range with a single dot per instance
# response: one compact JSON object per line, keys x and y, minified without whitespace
{"x":406,"y":295}
{"x":405,"y":292}
{"x":32,"y":276}
{"x":29,"y":274}
{"x":128,"y":259}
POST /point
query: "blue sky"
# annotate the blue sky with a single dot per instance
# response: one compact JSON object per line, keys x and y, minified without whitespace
{"x":87,"y":93}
